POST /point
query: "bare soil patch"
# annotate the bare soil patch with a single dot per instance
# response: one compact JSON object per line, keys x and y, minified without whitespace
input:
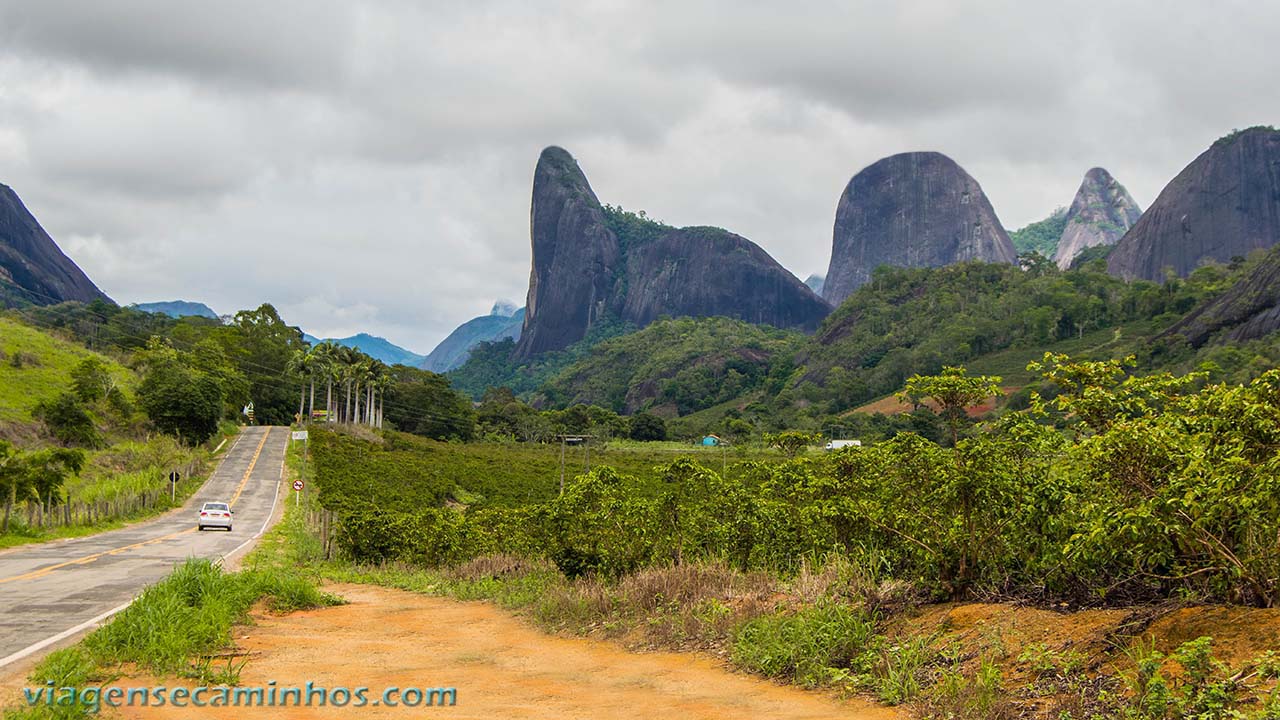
{"x":501,"y":667}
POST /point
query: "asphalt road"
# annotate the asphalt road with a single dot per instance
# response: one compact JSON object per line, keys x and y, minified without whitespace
{"x":52,"y":589}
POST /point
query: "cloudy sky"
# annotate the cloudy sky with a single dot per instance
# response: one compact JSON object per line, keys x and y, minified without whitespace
{"x":366,"y":165}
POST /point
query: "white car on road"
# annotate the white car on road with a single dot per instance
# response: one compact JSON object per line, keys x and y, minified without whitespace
{"x":214,"y":514}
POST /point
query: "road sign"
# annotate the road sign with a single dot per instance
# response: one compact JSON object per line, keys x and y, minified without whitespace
{"x":299,"y":434}
{"x":297,"y":485}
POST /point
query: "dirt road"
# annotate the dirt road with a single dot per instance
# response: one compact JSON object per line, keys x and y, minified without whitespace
{"x":500,"y":666}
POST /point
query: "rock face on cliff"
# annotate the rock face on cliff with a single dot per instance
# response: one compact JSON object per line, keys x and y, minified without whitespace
{"x":707,"y":271}
{"x":1100,"y":214}
{"x":575,"y":257}
{"x":32,"y":268}
{"x":1250,"y":309}
{"x":916,"y":209}
{"x":584,"y":272}
{"x":1224,"y":204}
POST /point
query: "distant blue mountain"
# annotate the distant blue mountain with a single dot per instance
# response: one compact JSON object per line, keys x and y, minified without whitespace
{"x":815,"y":282}
{"x":177,"y":308}
{"x":375,"y":347}
{"x":503,"y":321}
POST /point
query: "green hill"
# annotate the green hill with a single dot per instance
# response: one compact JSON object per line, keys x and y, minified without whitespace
{"x":35,"y":366}
{"x":1041,"y":236}
{"x":909,"y":321}
{"x":676,"y":366}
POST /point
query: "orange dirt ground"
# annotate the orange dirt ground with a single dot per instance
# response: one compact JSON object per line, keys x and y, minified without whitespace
{"x":501,"y":667}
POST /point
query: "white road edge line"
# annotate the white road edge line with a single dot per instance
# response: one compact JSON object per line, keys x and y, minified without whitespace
{"x":271,"y":514}
{"x":37,"y":647}
{"x":32,"y":649}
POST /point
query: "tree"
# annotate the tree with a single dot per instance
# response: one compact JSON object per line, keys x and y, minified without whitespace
{"x":646,"y":427}
{"x":91,"y":380}
{"x":9,"y":478}
{"x":47,"y":471}
{"x":261,"y":346}
{"x":954,"y":391}
{"x":790,"y":442}
{"x":326,"y":364}
{"x":301,"y":363}
{"x":69,"y":421}
{"x":182,"y":401}
{"x":422,"y":403}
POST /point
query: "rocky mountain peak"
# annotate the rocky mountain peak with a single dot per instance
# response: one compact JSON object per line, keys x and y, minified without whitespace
{"x":1100,"y":214}
{"x":917,"y":209}
{"x":592,"y":263}
{"x":575,"y":257}
{"x":1224,"y":204}
{"x":32,"y":267}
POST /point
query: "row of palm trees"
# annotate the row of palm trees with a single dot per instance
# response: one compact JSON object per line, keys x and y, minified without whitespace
{"x":361,"y":380}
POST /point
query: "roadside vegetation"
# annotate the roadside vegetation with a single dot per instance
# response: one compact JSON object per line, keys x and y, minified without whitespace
{"x":1118,"y":491}
{"x":77,"y":452}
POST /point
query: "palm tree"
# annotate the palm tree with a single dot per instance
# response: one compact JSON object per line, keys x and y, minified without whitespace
{"x":384,"y":382}
{"x":327,"y":364}
{"x":377,"y":375}
{"x":300,"y":364}
{"x":346,"y":372}
{"x":362,"y":372}
{"x":313,"y":361}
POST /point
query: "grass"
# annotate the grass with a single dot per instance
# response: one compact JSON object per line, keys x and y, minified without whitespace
{"x":805,"y":647}
{"x":35,"y":366}
{"x":172,"y":629}
{"x":129,"y":482}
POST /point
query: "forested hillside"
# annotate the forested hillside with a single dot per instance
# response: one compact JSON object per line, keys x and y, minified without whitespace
{"x":1041,"y":236}
{"x":713,"y":372}
{"x":909,"y":321}
{"x":680,"y":366}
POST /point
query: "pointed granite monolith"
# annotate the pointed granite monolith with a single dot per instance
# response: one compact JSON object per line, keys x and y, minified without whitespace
{"x":1100,"y":214}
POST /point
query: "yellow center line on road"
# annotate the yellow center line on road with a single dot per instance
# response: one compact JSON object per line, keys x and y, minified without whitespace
{"x":249,"y":470}
{"x":116,"y":551}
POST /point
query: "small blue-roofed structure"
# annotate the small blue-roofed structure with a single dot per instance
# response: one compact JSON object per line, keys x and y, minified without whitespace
{"x":711,"y":441}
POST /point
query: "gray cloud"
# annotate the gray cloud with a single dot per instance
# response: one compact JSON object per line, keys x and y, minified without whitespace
{"x":366,"y":166}
{"x":283,"y":43}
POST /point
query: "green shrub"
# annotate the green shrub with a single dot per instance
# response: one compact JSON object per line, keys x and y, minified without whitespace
{"x":69,"y":421}
{"x":805,"y":647}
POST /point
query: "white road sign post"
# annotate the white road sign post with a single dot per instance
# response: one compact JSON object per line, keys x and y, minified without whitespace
{"x":297,"y":484}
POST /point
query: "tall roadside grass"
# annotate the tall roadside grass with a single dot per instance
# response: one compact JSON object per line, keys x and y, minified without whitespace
{"x":126,"y":482}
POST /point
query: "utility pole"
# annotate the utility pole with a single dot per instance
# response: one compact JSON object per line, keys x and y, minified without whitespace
{"x":566,"y":440}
